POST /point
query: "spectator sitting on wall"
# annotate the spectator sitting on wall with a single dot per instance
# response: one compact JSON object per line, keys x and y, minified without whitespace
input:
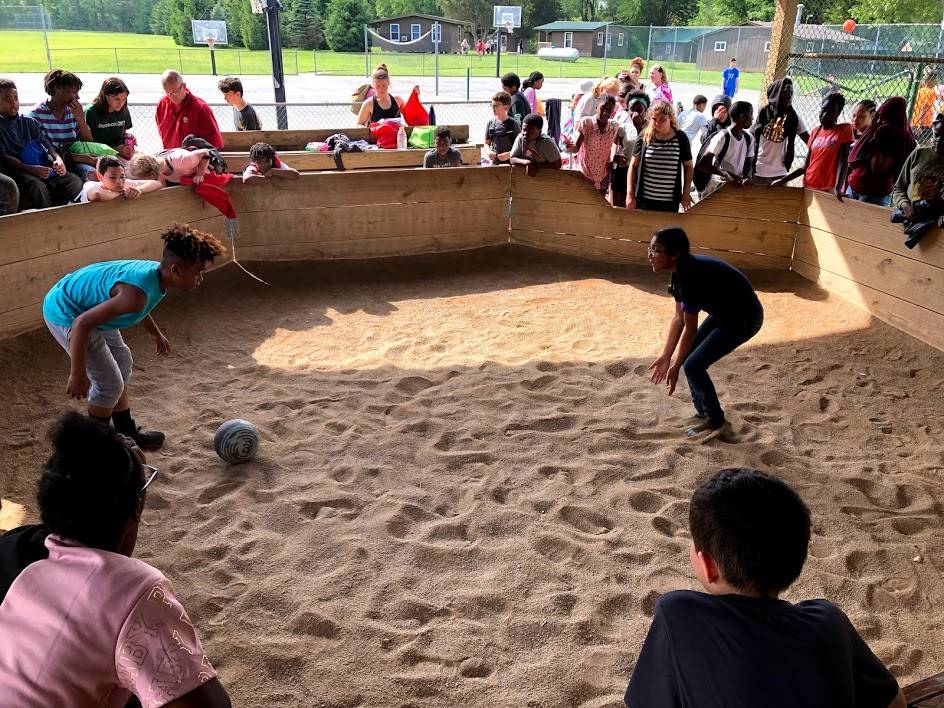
{"x":244,"y":115}
{"x":63,"y":120}
{"x":266,"y":166}
{"x":27,"y":156}
{"x":111,"y":183}
{"x":382,"y":105}
{"x":534,"y":150}
{"x":180,"y":113}
{"x":109,"y":118}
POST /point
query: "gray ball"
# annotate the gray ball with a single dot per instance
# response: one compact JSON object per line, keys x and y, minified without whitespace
{"x":236,"y":441}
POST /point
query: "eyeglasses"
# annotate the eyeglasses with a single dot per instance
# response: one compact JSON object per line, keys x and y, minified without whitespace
{"x":152,"y":473}
{"x":655,"y":251}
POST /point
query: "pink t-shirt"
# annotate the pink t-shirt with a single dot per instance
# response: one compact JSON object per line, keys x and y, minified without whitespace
{"x":596,"y":150}
{"x":87,"y":628}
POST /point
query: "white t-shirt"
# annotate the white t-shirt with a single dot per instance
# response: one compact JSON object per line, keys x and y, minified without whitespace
{"x":770,"y":152}
{"x":738,"y":150}
{"x":90,"y":188}
{"x":691,"y":122}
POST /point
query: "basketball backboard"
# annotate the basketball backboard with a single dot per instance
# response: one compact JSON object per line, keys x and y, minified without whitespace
{"x":506,"y":16}
{"x":205,"y":30}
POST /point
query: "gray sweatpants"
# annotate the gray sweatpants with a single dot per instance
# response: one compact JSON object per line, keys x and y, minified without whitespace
{"x":107,"y":363}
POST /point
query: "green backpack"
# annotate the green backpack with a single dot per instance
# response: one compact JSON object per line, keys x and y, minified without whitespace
{"x":423,"y":136}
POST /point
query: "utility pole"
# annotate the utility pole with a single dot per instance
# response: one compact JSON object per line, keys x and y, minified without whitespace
{"x":272,"y":9}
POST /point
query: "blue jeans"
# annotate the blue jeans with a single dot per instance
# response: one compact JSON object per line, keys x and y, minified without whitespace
{"x":714,"y":340}
{"x":81,"y":170}
{"x":881,"y":201}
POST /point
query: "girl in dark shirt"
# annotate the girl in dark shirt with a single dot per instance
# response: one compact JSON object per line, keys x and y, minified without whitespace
{"x":382,"y":104}
{"x":109,"y":118}
{"x":879,"y":154}
{"x":734,"y":316}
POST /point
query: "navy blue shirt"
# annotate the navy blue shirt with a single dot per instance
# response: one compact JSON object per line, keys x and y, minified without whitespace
{"x":710,"y":284}
{"x":15,"y":133}
{"x":727,"y":651}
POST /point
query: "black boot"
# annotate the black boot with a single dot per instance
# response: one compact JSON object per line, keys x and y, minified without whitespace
{"x":148,"y":440}
{"x":708,"y":425}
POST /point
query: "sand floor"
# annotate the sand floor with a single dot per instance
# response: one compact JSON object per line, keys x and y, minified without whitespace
{"x":468,"y":493}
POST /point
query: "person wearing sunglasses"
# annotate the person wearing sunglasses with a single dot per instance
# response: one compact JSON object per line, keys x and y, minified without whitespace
{"x":84,"y":623}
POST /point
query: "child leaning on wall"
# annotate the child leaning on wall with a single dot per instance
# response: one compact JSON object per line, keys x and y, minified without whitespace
{"x":112,"y":183}
{"x":265,"y":166}
{"x":738,"y":643}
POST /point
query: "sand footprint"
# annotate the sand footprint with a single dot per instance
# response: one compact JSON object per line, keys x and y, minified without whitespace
{"x":586,"y":520}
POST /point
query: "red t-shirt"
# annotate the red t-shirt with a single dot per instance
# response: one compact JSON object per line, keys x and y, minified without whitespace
{"x":824,"y":146}
{"x":192,"y":117}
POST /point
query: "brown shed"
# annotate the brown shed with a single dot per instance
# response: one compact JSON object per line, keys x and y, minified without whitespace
{"x":398,"y":33}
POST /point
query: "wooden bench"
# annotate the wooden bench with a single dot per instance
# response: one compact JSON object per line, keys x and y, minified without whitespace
{"x":928,"y":693}
{"x":297,"y":139}
{"x":305,"y":161}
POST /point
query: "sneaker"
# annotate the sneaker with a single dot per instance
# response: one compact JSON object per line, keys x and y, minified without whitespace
{"x":707,"y":426}
{"x":148,"y":440}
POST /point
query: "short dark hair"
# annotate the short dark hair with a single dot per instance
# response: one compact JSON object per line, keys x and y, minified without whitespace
{"x":502,"y":97}
{"x":59,"y":77}
{"x":733,"y":59}
{"x":90,"y":485}
{"x":836,"y":98}
{"x":185,"y":244}
{"x":443,"y":131}
{"x":754,"y":526}
{"x":230,"y":83}
{"x":511,"y":79}
{"x":262,"y":151}
{"x":674,"y":240}
{"x":107,"y":161}
{"x":867,"y":103}
{"x":640,"y":96}
{"x":534,"y":119}
{"x":699,"y":99}
{"x":740,"y":108}
{"x":6,"y":84}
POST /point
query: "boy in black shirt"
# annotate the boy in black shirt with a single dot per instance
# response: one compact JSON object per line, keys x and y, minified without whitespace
{"x":739,"y":645}
{"x":244,"y":115}
{"x":519,"y":104}
{"x":501,"y":131}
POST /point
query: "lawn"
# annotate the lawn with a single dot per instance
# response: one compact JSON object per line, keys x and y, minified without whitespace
{"x":104,"y":52}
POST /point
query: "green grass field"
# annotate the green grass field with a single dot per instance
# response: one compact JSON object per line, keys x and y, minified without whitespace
{"x":107,"y":52}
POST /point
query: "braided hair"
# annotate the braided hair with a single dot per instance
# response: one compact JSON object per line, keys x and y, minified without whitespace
{"x":91,"y":483}
{"x":58,"y":78}
{"x":189,"y":245}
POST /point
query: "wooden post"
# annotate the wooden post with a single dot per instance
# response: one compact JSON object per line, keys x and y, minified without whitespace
{"x":781,"y":42}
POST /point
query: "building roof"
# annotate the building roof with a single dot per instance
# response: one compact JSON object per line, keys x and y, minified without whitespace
{"x":567,"y":26}
{"x":435,"y":18}
{"x":804,"y":32}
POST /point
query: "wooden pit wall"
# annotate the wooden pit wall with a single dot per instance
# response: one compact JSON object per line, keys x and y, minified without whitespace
{"x":320,"y":216}
{"x":561,"y":212}
{"x":852,"y":249}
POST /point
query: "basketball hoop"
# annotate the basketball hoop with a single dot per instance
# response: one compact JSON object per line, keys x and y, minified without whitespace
{"x":210,"y":42}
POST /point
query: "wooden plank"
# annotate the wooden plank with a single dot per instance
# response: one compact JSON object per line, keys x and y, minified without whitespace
{"x":324,"y":189}
{"x":346,"y":223}
{"x":27,"y":281}
{"x":624,"y":251}
{"x":557,"y":186}
{"x":22,"y":319}
{"x":38,"y":233}
{"x":305,"y":161}
{"x":920,"y":322}
{"x":868,"y":224}
{"x":705,"y":231}
{"x":753,"y":202}
{"x":903,"y":278}
{"x":930,"y":687}
{"x":239,"y":141}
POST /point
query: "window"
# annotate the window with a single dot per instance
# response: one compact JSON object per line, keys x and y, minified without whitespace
{"x":568,"y":39}
{"x":414,"y":31}
{"x":767,"y":47}
{"x":721,"y":46}
{"x":599,"y":39}
{"x":437,"y":33}
{"x":619,"y":39}
{"x":395,"y":31}
{"x":809,"y":46}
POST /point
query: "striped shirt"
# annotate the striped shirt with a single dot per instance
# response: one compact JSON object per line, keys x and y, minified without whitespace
{"x":61,"y":133}
{"x":661,"y":169}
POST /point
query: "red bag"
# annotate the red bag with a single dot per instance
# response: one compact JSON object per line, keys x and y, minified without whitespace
{"x":384,"y":133}
{"x":413,"y":112}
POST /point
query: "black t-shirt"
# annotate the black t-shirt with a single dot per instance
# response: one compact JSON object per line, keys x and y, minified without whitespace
{"x":108,"y":128}
{"x":720,"y":289}
{"x":246,"y":119}
{"x":519,"y":106}
{"x":502,"y":134}
{"x":730,"y":651}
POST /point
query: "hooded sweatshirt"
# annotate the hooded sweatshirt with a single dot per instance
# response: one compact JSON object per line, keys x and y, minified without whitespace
{"x":775,"y":133}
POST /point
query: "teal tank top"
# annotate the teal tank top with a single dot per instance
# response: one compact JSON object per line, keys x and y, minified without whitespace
{"x":83,"y":289}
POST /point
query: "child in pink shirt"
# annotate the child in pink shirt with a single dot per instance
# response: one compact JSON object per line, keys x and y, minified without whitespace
{"x":596,"y":136}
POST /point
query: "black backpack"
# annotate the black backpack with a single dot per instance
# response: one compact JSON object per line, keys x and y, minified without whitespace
{"x":701,"y":178}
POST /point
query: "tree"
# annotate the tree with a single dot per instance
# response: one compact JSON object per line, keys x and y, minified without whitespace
{"x":344,"y":28}
{"x":478,"y":12}
{"x":393,"y":8}
{"x":304,"y":25}
{"x":535,"y":13}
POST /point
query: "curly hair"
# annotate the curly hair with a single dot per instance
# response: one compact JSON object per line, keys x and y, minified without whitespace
{"x":262,"y":151}
{"x":58,"y":78}
{"x":230,"y":83}
{"x":190,"y":245}
{"x":91,"y":483}
{"x":144,"y":166}
{"x":638,"y":61}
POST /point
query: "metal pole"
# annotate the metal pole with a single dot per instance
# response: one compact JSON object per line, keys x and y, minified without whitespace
{"x":212,"y":60}
{"x":272,"y":9}
{"x":314,"y":59}
{"x":117,"y":67}
{"x":878,"y":33}
{"x":180,"y":61}
{"x":42,"y":11}
{"x":649,"y":46}
{"x":498,"y":55}
{"x":674,"y":45}
{"x":366,"y":55}
{"x":700,"y":58}
{"x":468,"y":83}
{"x":239,"y":60}
{"x":606,"y":45}
{"x":436,"y":37}
{"x":737,"y":45}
